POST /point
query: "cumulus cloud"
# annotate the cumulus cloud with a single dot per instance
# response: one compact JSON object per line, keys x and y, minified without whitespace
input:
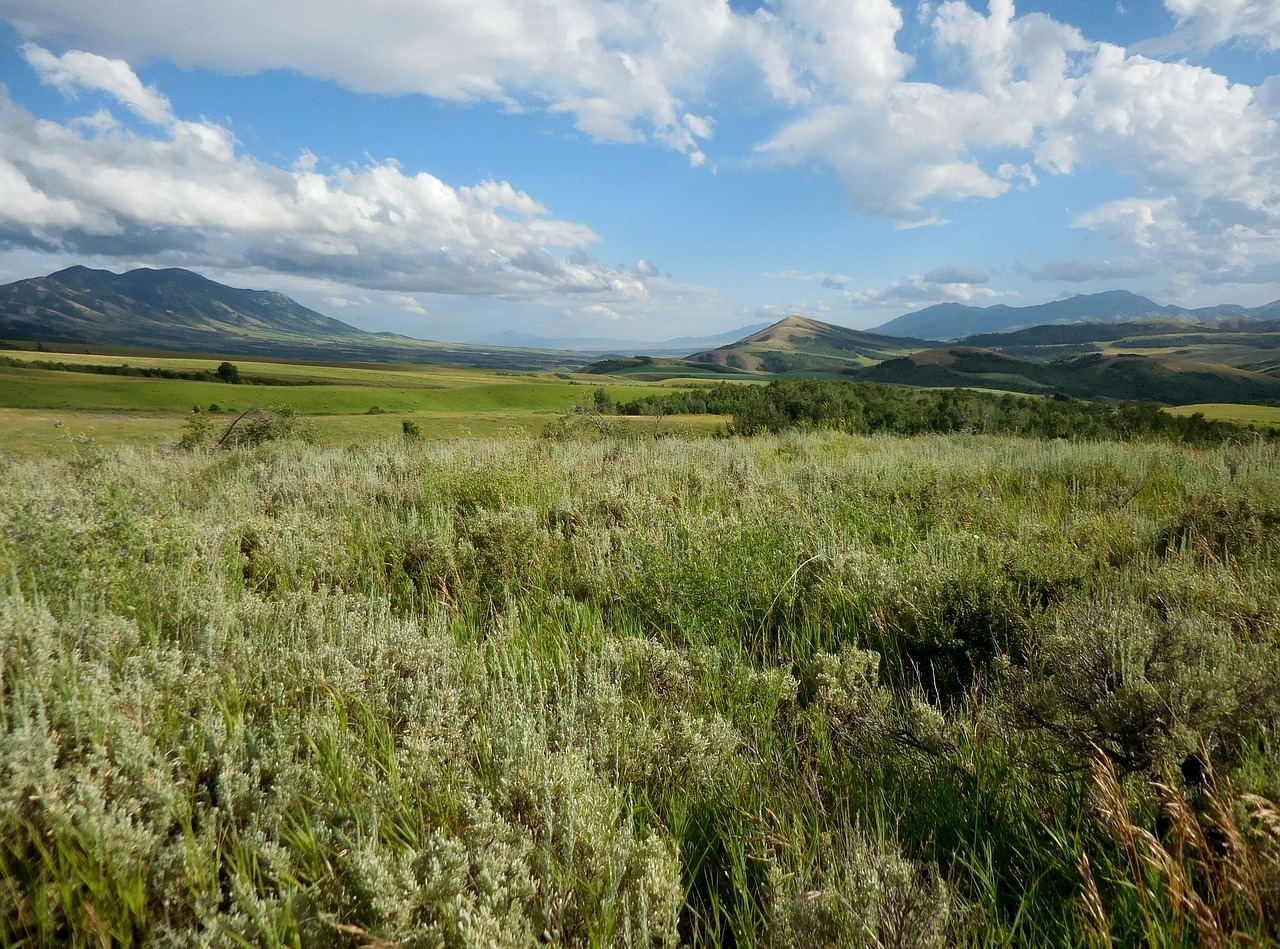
{"x":622,"y":70}
{"x":598,"y":311}
{"x":183,"y":195}
{"x":77,"y":70}
{"x":955,"y":273}
{"x":1205,"y":24}
{"x":919,"y":290}
{"x":903,"y":147}
{"x":1015,"y":98}
{"x":406,"y":302}
{"x":1031,"y":96}
{"x":342,"y":303}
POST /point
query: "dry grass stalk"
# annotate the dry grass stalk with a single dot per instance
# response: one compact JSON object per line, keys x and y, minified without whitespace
{"x":1095,"y":920}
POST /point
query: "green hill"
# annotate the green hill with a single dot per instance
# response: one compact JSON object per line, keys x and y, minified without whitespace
{"x":797,"y":344}
{"x":180,"y":311}
{"x":1176,"y":363}
{"x":1126,"y":377}
{"x":1243,"y":343}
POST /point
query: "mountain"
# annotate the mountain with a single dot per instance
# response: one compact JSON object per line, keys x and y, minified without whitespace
{"x":797,"y":344}
{"x":83,"y":305}
{"x":1245,"y":343}
{"x":177,"y":310}
{"x":954,"y":320}
{"x":622,"y":347}
{"x":1164,"y":374}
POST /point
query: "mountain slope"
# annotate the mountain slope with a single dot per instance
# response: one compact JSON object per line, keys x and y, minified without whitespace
{"x":1250,"y":343}
{"x":177,"y":310}
{"x":83,"y":305}
{"x":797,"y":344}
{"x":1127,"y":377}
{"x":955,"y":320}
{"x":802,"y":346}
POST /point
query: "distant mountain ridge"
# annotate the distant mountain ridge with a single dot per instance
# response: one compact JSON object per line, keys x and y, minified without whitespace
{"x":947,"y":321}
{"x":1177,"y":363}
{"x":180,"y":311}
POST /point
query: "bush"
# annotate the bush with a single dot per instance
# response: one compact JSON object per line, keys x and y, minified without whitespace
{"x":1148,"y":690}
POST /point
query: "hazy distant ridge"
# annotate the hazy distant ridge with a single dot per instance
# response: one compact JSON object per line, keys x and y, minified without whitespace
{"x":956,"y":320}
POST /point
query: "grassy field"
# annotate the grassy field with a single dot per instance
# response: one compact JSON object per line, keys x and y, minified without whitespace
{"x":796,"y":691}
{"x":43,"y":410}
{"x":1231,"y":412}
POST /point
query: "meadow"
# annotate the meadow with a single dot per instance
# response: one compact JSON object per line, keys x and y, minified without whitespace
{"x":43,"y":410}
{"x":804,"y":690}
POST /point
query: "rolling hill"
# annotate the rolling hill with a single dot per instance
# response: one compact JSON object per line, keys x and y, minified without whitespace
{"x":1126,"y":377}
{"x":797,"y":344}
{"x":1252,"y":344}
{"x":953,"y":321}
{"x":1164,"y":374}
{"x":180,"y":311}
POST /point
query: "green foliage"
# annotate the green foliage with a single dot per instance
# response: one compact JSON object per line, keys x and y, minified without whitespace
{"x":228,"y":372}
{"x":814,"y":689}
{"x":1149,"y":690}
{"x":866,"y":408}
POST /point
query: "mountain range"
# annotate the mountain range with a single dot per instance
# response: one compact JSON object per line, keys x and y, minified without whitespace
{"x":1168,"y":362}
{"x":179,"y":311}
{"x":946,"y":321}
{"x":1113,"y":345}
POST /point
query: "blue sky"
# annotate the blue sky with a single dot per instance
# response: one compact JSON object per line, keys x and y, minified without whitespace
{"x":643,"y":170}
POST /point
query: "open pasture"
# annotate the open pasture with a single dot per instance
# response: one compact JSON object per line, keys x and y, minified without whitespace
{"x":1260,"y":415}
{"x":43,"y":409}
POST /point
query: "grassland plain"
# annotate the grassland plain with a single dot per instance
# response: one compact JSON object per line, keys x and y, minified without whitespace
{"x":41,"y":410}
{"x":799,"y":690}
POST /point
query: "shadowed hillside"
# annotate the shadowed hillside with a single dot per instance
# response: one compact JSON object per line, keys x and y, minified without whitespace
{"x":1125,"y":377}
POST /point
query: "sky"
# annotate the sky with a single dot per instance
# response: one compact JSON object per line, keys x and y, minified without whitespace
{"x":647,"y":169}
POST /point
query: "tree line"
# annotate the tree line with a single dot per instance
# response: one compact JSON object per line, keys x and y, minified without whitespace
{"x":226,"y":372}
{"x":865,"y":408}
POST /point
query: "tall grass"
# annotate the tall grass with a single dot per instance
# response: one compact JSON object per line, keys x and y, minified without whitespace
{"x":798,"y":691}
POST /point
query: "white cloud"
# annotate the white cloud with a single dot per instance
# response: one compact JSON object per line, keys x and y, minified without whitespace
{"x":598,"y":311}
{"x":901,"y":147}
{"x":955,"y":273}
{"x":826,"y":279}
{"x":406,"y":302}
{"x":342,"y":303}
{"x":920,"y":290}
{"x":621,"y":69}
{"x":1204,"y":24}
{"x":1205,"y":154}
{"x":182,"y":195}
{"x":79,"y":70}
{"x":1016,"y":98}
